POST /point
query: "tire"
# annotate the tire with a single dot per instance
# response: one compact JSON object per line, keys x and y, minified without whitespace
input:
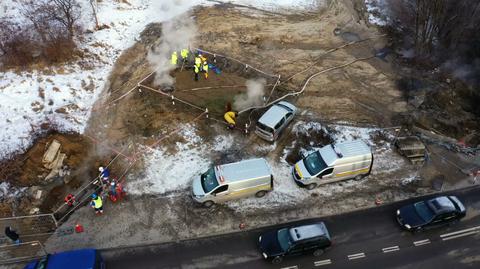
{"x":358,"y":177}
{"x":318,"y":252}
{"x":260,"y":194}
{"x":208,"y":204}
{"x":277,"y":260}
{"x":311,"y":186}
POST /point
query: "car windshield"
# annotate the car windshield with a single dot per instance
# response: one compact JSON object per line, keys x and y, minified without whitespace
{"x":265,"y":128}
{"x":314,"y":163}
{"x":209,"y":180}
{"x":424,"y":211}
{"x":284,"y":239}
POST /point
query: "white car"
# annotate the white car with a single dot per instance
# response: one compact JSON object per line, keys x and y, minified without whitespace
{"x":274,"y":120}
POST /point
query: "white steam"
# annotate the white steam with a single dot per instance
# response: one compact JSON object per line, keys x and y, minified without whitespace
{"x":253,"y":97}
{"x":177,"y":34}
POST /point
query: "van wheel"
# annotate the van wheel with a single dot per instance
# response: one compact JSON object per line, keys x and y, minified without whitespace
{"x":260,"y":194}
{"x":318,"y":252}
{"x":208,"y":204}
{"x":311,"y":186}
{"x":358,"y":177}
{"x":277,"y":260}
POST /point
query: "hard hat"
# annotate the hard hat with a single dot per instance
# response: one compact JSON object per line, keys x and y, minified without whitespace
{"x":112,"y":183}
{"x":94,"y":196}
{"x":100,"y":169}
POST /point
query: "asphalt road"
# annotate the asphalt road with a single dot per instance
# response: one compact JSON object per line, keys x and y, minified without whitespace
{"x":362,"y":239}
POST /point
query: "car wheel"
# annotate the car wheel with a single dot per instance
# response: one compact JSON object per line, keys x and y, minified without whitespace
{"x":318,"y":252}
{"x":208,"y":204}
{"x":358,"y":177}
{"x":311,"y":186}
{"x":260,"y":194}
{"x":277,"y":260}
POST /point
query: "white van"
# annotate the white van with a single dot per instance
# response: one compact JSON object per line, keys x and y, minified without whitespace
{"x":332,"y":163}
{"x":232,"y":181}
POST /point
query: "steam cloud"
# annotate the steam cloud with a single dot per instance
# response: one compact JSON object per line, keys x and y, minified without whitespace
{"x":177,"y":34}
{"x":253,"y":97}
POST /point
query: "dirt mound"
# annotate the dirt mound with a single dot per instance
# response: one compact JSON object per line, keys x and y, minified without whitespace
{"x":306,"y":139}
{"x":27,"y":170}
{"x":29,"y":167}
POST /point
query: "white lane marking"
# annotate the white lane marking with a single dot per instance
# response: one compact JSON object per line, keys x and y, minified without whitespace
{"x":421,"y":242}
{"x":356,"y":256}
{"x":322,"y":262}
{"x":461,"y":231}
{"x":291,"y":267}
{"x":459,"y":235}
{"x":390,"y":249}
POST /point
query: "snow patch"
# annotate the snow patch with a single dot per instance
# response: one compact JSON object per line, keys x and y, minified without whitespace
{"x":172,"y":171}
{"x":307,"y":127}
{"x":222,"y":142}
{"x":9,"y":191}
{"x":377,"y":10}
{"x":64,"y":97}
{"x":304,"y":5}
{"x":347,"y":133}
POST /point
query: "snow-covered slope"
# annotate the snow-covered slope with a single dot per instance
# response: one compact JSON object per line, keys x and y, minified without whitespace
{"x":64,"y":96}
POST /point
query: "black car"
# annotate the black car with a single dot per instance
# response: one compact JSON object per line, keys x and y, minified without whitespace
{"x":311,"y":238}
{"x":430,"y":213}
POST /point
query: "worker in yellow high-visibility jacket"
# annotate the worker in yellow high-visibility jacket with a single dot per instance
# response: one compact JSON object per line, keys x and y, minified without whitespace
{"x":198,"y":62}
{"x":174,"y":58}
{"x":184,"y":54}
{"x":196,"y":70}
{"x":97,"y":204}
{"x":230,"y":119}
{"x":205,"y":69}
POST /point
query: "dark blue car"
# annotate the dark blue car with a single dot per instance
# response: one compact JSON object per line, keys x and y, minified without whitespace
{"x":431,"y":213}
{"x":75,"y":259}
{"x":311,"y":238}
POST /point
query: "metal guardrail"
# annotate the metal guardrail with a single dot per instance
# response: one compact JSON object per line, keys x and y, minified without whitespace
{"x":22,"y":252}
{"x":34,"y":224}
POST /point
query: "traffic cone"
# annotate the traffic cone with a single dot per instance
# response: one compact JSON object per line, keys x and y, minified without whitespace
{"x":78,"y":228}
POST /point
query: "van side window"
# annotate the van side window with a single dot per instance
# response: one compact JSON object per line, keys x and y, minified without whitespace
{"x":326,"y":172}
{"x":221,"y":189}
{"x":280,"y":123}
{"x":289,"y":115}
